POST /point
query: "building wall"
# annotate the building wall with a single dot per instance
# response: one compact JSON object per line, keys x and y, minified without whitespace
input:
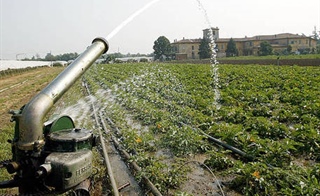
{"x":302,"y":43}
{"x":187,"y":50}
{"x":251,"y":47}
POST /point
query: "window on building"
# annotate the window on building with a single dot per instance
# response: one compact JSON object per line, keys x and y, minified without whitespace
{"x":299,"y":41}
{"x":222,"y":46}
{"x":307,"y":41}
{"x":174,"y":49}
{"x":292,"y":42}
{"x":192,"y":47}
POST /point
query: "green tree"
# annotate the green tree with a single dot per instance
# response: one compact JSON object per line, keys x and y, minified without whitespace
{"x":204,"y":49}
{"x":162,"y":48}
{"x":61,"y":57}
{"x":231,"y":48}
{"x":265,"y":49}
{"x":110,"y":57}
{"x":315,"y":34}
{"x":289,"y":49}
{"x":49,"y":57}
{"x":67,"y":56}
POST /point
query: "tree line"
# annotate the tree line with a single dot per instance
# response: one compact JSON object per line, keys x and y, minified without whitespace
{"x":51,"y":57}
{"x":73,"y":56}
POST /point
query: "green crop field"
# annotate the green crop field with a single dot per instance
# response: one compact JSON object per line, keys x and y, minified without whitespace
{"x":271,"y":113}
{"x":164,"y":113}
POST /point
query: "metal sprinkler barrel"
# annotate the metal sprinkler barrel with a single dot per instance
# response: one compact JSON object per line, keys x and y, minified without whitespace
{"x":60,"y":159}
{"x":31,"y":119}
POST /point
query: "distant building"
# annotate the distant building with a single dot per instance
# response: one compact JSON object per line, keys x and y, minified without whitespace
{"x":189,"y":48}
{"x":186,"y":48}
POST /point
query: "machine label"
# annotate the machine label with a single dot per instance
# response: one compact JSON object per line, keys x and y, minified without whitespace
{"x":82,"y":170}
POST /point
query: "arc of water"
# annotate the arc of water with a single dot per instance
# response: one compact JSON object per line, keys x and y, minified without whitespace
{"x":129,"y":19}
{"x":214,"y":62}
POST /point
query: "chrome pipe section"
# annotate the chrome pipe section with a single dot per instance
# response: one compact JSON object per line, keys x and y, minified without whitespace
{"x":32,"y":115}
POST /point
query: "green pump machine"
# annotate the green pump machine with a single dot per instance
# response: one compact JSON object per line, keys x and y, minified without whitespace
{"x":52,"y":156}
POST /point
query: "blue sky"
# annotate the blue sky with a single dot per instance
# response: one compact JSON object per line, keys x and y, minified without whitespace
{"x":60,"y":26}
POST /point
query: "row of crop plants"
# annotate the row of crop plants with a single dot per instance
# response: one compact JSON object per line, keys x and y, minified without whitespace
{"x":272,"y":113}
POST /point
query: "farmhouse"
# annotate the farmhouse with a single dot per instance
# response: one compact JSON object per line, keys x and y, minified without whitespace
{"x":189,"y":48}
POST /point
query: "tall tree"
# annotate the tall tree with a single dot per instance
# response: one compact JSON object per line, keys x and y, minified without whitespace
{"x":315,"y":34}
{"x":49,"y":57}
{"x":231,"y":48}
{"x":265,"y":48}
{"x":162,"y":48}
{"x":67,"y":56}
{"x":204,"y":49}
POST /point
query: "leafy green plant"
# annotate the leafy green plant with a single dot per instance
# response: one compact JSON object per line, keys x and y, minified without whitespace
{"x":261,"y":179}
{"x":183,"y":140}
{"x":218,"y":161}
{"x":164,"y":176}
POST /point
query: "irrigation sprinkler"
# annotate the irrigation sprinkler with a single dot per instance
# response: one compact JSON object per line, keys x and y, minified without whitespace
{"x":52,"y":156}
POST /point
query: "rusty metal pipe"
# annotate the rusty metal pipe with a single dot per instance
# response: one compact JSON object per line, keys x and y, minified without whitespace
{"x":32,"y":116}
